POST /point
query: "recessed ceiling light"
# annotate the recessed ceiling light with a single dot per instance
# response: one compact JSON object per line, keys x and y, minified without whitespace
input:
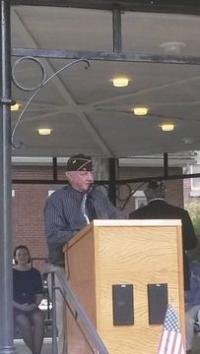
{"x":120,"y":81}
{"x":15,"y":107}
{"x":44,"y":131}
{"x":167,"y":127}
{"x":140,"y":110}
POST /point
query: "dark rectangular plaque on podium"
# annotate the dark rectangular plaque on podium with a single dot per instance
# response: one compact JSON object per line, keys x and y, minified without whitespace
{"x":122,"y":304}
{"x":157,"y":301}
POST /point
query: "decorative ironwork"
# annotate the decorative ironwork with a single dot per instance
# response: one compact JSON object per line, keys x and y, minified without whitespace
{"x":36,"y":89}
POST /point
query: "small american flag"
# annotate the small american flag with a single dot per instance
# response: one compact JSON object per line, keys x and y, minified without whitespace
{"x":171,"y":339}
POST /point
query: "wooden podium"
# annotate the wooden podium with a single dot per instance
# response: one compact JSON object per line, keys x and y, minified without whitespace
{"x":137,"y":252}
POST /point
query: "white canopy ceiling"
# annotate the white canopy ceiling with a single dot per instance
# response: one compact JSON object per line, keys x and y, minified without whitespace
{"x":85,"y":112}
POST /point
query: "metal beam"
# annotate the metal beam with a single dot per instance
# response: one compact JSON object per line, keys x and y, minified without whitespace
{"x":6,"y":308}
{"x":165,"y":164}
{"x":113,"y":165}
{"x":109,"y":182}
{"x":55,"y":169}
{"x":105,"y":56}
{"x":117,"y":30}
{"x":168,"y":6}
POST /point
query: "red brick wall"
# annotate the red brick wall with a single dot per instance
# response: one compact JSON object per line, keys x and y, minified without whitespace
{"x":29,"y":200}
{"x":27,"y":218}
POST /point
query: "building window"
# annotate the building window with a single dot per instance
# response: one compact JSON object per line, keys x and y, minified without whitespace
{"x":139,"y":199}
{"x":195,"y":182}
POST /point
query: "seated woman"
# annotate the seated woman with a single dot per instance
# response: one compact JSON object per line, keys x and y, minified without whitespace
{"x":27,"y":295}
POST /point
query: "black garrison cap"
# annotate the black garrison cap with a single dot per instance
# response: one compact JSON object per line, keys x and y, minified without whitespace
{"x":156,"y":186}
{"x":153,"y":185}
{"x":79,"y":163}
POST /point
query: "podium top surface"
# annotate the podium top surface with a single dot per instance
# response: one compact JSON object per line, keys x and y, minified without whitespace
{"x":135,"y":222}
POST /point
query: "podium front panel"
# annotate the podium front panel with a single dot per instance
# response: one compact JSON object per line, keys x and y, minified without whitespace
{"x":138,"y":253}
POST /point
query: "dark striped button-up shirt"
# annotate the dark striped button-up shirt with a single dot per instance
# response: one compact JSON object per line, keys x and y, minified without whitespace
{"x":64,"y":217}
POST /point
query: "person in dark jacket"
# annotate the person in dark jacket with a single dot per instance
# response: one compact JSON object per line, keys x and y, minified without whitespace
{"x":158,"y":208}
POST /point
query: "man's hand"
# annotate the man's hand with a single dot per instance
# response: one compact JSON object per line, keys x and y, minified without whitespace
{"x":28,"y":307}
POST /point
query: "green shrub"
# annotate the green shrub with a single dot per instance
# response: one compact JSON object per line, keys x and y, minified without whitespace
{"x":194,"y":211}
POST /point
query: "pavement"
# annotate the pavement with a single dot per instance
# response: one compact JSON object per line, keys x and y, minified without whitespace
{"x":196,"y":345}
{"x":21,"y":348}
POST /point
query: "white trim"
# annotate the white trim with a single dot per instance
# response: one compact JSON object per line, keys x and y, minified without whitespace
{"x":139,"y":202}
{"x":175,"y":160}
{"x":37,"y":160}
{"x":158,"y":222}
{"x":195,"y":193}
{"x":194,"y":188}
{"x":139,"y":194}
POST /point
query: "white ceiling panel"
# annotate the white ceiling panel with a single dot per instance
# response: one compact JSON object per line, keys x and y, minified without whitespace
{"x":85,"y":112}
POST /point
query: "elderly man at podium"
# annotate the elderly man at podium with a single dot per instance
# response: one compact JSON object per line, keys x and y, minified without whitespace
{"x":158,"y":208}
{"x":66,"y":212}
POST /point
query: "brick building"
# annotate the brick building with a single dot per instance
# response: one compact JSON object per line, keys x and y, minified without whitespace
{"x":29,"y":199}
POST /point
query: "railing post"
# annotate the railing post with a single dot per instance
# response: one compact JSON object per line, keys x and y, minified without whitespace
{"x":54,"y":327}
{"x":117,"y":36}
{"x":6,"y":308}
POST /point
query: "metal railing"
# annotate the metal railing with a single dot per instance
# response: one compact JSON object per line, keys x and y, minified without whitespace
{"x":83,"y":322}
